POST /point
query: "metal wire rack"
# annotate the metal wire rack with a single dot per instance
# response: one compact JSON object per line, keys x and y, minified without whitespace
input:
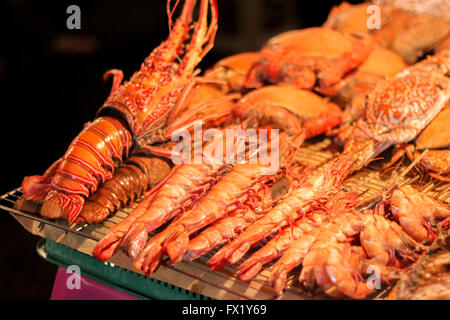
{"x":196,"y":275}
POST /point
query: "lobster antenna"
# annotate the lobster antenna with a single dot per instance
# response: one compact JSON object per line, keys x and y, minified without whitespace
{"x":170,"y":13}
{"x":202,"y":34}
{"x":397,"y":182}
{"x":211,"y":33}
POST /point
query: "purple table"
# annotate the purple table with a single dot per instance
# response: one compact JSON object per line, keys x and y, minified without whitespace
{"x":88,"y":289}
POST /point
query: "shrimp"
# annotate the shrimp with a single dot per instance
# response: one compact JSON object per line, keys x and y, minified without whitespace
{"x":332,"y":263}
{"x":339,"y":274}
{"x":299,"y":202}
{"x":336,"y":263}
{"x":221,"y":232}
{"x":177,"y":193}
{"x":243,"y":181}
{"x":229,"y":227}
{"x":417,"y":213}
{"x":386,"y":242}
{"x":279,"y":243}
{"x":310,"y":228}
{"x":180,"y":192}
{"x":281,"y":215}
{"x":292,"y":257}
{"x":150,"y":257}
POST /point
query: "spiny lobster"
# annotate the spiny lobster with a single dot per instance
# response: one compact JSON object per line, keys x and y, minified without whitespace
{"x":138,"y":115}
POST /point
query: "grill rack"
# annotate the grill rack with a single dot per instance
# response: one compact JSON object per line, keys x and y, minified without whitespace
{"x":195,"y":275}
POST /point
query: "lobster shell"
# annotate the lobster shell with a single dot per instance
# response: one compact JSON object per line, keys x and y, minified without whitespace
{"x":130,"y":181}
{"x":141,"y":107}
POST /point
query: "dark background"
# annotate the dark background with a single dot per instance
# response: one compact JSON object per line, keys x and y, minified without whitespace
{"x":51,"y":84}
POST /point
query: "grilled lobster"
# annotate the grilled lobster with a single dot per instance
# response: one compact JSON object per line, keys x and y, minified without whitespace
{"x":135,"y":117}
{"x":130,"y":181}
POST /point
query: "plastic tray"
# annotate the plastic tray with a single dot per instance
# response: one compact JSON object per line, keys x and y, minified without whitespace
{"x":122,"y":279}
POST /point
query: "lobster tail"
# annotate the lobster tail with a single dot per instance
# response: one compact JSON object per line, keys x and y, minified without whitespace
{"x":90,"y":159}
{"x":130,"y":181}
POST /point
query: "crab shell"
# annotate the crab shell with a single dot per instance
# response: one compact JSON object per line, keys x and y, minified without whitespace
{"x":304,"y":104}
{"x":380,"y":64}
{"x":353,"y":18}
{"x":383,"y":62}
{"x":437,"y":134}
{"x":313,"y":58}
{"x":400,"y":108}
{"x":436,"y":138}
{"x":410,"y":33}
{"x":233,"y":69}
{"x":421,"y":36}
{"x":444,"y":45}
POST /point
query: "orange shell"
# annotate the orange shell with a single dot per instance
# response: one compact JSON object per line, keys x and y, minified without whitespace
{"x":234,"y":69}
{"x":383,"y":62}
{"x":305,"y":104}
{"x":313,"y":42}
{"x":405,"y":101}
{"x":437,"y":133}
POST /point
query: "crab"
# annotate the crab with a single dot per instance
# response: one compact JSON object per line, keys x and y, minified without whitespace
{"x":435,"y":138}
{"x":411,"y":34}
{"x":311,"y":59}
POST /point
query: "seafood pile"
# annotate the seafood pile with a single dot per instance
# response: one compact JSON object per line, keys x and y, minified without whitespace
{"x":410,"y":28}
{"x":370,"y":90}
{"x":428,"y":278}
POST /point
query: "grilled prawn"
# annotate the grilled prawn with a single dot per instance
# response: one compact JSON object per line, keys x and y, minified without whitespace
{"x":180,"y":191}
{"x":280,"y":243}
{"x":293,"y":242}
{"x":386,"y":242}
{"x":333,"y":263}
{"x":418,"y":214}
{"x":235,"y":188}
{"x":299,"y":202}
{"x":229,"y":227}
